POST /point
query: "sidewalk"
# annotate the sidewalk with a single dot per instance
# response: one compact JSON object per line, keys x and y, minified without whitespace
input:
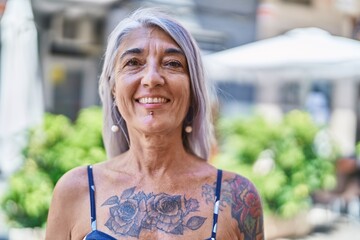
{"x":342,"y":229}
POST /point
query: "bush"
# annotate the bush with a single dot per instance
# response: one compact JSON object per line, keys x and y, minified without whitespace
{"x":287,"y":162}
{"x":53,"y":148}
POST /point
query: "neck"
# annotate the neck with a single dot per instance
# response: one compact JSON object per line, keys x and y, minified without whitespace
{"x":157,"y":154}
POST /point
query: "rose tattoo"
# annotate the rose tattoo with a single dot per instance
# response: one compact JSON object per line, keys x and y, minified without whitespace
{"x":241,"y":196}
{"x":133,"y":212}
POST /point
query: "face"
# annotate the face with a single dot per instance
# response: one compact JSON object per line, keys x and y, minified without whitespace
{"x":152,"y":84}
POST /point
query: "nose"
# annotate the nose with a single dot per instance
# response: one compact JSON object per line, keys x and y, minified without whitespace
{"x":152,"y":77}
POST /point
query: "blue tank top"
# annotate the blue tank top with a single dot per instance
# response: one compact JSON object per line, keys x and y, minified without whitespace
{"x":98,"y":235}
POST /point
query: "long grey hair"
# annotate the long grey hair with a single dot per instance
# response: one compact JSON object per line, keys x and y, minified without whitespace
{"x":197,"y":142}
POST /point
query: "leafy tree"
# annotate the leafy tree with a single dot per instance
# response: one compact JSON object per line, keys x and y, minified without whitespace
{"x":286,"y":161}
{"x":55,"y":147}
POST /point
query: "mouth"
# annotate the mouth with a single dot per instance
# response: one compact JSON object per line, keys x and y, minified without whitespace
{"x":153,"y":100}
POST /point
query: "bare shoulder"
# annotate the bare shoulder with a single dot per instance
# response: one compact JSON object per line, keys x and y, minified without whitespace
{"x":239,"y":191}
{"x":240,"y":196}
{"x":70,"y":186}
{"x":237,"y":182}
{"x":69,"y":193}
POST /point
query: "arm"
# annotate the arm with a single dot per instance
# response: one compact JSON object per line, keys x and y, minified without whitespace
{"x":63,"y":206}
{"x":57,"y":223}
{"x":246,"y":209}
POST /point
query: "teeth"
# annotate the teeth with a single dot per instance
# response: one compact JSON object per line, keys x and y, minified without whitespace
{"x":149,"y":100}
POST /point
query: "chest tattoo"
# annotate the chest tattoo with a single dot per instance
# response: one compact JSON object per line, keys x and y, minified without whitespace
{"x":133,"y":212}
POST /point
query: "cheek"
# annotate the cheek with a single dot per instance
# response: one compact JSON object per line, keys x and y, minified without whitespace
{"x":183,"y":99}
{"x":184,"y":91}
{"x":124,"y":84}
{"x":123,"y":93}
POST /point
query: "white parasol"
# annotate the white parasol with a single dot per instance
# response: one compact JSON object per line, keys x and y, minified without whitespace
{"x":302,"y":55}
{"x":306,"y":53}
{"x":21,"y":97}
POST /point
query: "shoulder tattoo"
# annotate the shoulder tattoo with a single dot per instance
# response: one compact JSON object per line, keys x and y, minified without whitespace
{"x":241,"y":195}
{"x":132,"y":212}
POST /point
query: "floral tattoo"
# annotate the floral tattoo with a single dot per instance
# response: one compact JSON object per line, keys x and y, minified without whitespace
{"x":133,"y":212}
{"x":245,"y":204}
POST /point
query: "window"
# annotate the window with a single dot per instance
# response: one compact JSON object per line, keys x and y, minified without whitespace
{"x":67,"y":94}
{"x":236,"y":99}
{"x":290,"y":96}
{"x":317,"y":102}
{"x":303,"y":2}
{"x":70,"y":28}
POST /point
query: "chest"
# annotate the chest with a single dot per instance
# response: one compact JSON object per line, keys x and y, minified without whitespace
{"x":165,"y":230}
{"x":143,"y":210}
{"x":137,"y":215}
{"x":155,"y":216}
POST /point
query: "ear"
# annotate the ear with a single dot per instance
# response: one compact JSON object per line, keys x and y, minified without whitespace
{"x":113,"y":91}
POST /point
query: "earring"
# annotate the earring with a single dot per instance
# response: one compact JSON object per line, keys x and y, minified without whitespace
{"x":114,"y":128}
{"x":188,"y":129}
{"x":188,"y":120}
{"x":118,"y":121}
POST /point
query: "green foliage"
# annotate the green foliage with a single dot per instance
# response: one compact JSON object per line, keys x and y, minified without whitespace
{"x":53,"y":148}
{"x":357,"y":150}
{"x":286,"y":161}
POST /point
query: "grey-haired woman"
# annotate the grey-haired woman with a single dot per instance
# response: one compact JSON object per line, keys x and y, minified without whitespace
{"x":157,"y":183}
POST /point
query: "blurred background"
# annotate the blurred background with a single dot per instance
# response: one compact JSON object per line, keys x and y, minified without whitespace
{"x":287,"y":75}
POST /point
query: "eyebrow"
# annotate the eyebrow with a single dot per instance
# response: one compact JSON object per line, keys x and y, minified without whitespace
{"x":131,"y":51}
{"x":174,"y":51}
{"x":141,"y":50}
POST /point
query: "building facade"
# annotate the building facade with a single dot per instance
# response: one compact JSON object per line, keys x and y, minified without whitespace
{"x":340,"y":97}
{"x":73,"y":38}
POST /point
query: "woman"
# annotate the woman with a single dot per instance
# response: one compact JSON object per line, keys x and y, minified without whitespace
{"x":157,"y":133}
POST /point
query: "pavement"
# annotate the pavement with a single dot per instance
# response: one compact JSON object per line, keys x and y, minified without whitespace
{"x":342,"y":229}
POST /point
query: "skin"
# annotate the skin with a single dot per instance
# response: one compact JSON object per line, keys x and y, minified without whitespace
{"x":162,"y":191}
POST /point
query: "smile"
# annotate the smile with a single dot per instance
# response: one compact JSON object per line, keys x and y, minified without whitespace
{"x":149,"y":100}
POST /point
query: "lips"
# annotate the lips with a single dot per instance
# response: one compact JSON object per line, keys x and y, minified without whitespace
{"x":153,"y":100}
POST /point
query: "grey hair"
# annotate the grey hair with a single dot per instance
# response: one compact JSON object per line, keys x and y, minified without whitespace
{"x":200,"y":140}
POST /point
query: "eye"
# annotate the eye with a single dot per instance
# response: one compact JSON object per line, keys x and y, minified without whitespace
{"x":132,"y":62}
{"x":174,"y":64}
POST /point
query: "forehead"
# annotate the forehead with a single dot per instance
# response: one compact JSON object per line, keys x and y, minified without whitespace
{"x":144,"y":37}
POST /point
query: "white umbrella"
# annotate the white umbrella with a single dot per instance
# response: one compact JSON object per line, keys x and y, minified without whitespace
{"x":21,"y":99}
{"x":301,"y":53}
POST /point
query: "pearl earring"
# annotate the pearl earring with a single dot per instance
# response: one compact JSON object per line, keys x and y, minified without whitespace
{"x":118,"y":123}
{"x":114,"y":128}
{"x":188,"y":120}
{"x":188,"y":129}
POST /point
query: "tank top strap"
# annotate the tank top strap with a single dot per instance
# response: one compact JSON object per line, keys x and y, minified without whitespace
{"x":217,"y":203}
{"x":92,"y":197}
